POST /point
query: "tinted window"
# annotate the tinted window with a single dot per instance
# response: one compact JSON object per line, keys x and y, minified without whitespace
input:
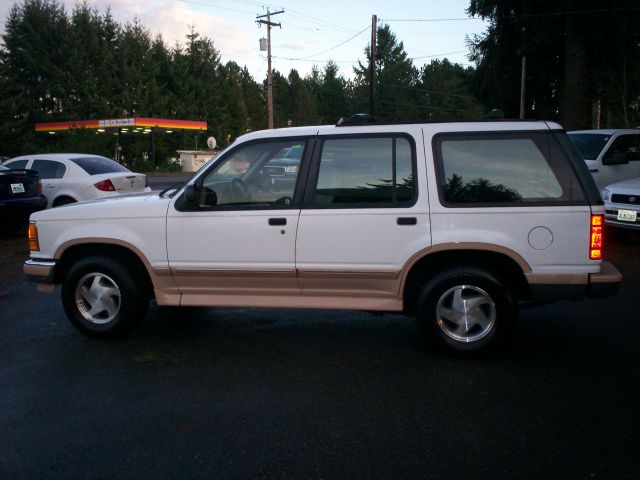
{"x":365,"y":171}
{"x":504,"y":169}
{"x":98,"y":165}
{"x":626,"y":145}
{"x":17,"y":165}
{"x":49,"y":169}
{"x":589,"y":144}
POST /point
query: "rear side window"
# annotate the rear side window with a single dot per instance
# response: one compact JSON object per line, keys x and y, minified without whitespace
{"x":49,"y":168}
{"x":366,"y":172}
{"x":17,"y":165}
{"x":98,"y":165}
{"x":504,"y":169}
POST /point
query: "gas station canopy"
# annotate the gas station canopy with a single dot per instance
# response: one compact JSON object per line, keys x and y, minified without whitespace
{"x":136,"y":123}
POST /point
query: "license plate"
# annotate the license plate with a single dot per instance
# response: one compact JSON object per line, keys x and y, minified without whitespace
{"x":627,"y":215}
{"x":17,"y":188}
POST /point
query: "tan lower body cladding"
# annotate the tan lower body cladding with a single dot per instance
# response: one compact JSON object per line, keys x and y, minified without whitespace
{"x":284,"y":289}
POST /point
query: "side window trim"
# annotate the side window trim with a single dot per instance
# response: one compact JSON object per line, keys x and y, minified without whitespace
{"x":314,"y":170}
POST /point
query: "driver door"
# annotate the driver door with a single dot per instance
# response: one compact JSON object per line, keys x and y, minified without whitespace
{"x":238,"y":237}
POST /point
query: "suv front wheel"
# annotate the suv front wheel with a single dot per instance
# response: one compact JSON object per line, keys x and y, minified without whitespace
{"x":102,"y":298}
{"x":466,"y":310}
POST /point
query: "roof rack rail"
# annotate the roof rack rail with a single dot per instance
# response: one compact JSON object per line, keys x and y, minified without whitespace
{"x":356,"y":119}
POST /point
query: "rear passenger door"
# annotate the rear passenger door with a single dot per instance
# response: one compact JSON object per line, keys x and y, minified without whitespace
{"x":51,"y":173}
{"x":362,"y":218}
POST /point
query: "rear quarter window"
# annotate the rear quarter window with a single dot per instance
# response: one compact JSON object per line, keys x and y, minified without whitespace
{"x":506,"y":169}
{"x":98,"y":165}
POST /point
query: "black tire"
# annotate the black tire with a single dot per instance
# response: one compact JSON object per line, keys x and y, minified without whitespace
{"x":466,"y":310}
{"x":58,"y":202}
{"x":122,"y":299}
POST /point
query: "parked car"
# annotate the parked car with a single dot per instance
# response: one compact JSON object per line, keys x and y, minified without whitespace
{"x":74,"y":177}
{"x":622,"y":203}
{"x":458,"y":224}
{"x":611,"y":155}
{"x":20,"y":196}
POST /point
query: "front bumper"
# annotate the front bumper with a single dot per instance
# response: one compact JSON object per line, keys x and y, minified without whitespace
{"x":42,"y":272}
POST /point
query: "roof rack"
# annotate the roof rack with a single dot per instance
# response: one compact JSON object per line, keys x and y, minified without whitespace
{"x":494,"y":116}
{"x":356,"y":119}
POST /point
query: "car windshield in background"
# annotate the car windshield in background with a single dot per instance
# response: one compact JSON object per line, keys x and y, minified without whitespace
{"x":98,"y":165}
{"x":589,"y":144}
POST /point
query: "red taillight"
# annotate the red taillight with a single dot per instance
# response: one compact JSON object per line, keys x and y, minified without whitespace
{"x":105,"y":186}
{"x":595,"y":238}
{"x":39,"y":186}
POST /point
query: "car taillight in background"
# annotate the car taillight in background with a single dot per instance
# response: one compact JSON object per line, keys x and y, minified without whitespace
{"x":595,"y":237}
{"x":39,"y":186}
{"x":105,"y":186}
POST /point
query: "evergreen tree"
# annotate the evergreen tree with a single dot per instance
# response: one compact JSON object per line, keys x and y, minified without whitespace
{"x":446,"y":91}
{"x":396,"y":79}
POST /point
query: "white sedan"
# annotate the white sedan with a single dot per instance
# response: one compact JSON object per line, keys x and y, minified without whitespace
{"x":74,"y":177}
{"x":622,"y":203}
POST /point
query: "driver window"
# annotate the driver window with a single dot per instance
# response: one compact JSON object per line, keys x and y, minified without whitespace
{"x":260,"y":174}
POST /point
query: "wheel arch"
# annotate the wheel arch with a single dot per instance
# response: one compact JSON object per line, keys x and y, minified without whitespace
{"x":127,"y":254}
{"x":63,"y":196}
{"x":506,"y":264}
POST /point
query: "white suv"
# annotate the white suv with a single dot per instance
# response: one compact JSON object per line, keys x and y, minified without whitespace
{"x":459,"y":224}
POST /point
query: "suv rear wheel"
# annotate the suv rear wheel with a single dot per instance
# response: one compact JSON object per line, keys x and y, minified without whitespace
{"x":465,"y":310}
{"x":102,"y":298}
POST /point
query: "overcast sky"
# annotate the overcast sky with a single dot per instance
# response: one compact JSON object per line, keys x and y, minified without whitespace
{"x":312,"y":32}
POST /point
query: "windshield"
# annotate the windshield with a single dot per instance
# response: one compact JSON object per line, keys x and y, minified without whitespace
{"x":589,"y":144}
{"x":98,"y":165}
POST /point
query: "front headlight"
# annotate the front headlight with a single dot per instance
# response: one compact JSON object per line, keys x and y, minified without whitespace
{"x":606,"y":195}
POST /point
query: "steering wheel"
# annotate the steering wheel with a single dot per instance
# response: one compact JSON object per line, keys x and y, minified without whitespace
{"x":239,"y":190}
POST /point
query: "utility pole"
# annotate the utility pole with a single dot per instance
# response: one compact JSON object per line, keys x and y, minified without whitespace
{"x":372,"y":63}
{"x":269,"y":24}
{"x":523,"y":81}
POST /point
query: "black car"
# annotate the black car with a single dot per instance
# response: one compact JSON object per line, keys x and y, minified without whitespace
{"x":20,"y":195}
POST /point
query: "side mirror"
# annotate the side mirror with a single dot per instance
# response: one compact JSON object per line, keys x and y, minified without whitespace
{"x":191,"y":195}
{"x":618,"y":158}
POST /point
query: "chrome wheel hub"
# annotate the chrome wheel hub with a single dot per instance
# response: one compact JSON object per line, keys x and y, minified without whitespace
{"x":98,"y":298}
{"x":466,"y":313}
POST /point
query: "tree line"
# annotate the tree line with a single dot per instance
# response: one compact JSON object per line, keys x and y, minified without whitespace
{"x":583,"y":69}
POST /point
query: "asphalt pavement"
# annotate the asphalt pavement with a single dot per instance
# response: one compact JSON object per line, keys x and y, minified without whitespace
{"x":288,"y":394}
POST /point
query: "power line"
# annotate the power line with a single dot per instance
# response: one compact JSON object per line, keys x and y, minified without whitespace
{"x":332,"y":48}
{"x":202,"y":4}
{"x":524,"y":15}
{"x":461,"y":19}
{"x":295,"y":13}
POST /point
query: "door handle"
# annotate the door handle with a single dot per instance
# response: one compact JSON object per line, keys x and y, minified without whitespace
{"x":593,"y":170}
{"x":277,"y":221}
{"x":407,"y":220}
